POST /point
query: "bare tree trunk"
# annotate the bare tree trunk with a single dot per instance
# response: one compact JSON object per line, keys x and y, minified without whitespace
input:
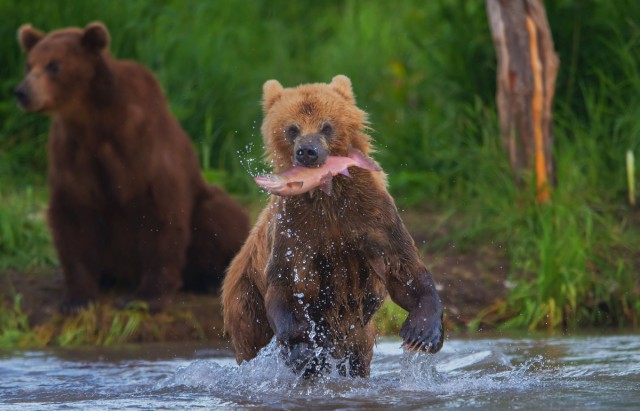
{"x":527,"y":69}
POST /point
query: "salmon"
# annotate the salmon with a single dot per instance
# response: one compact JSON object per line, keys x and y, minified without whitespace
{"x":298,"y":179}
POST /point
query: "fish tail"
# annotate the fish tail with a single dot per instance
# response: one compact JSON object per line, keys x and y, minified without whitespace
{"x":363,"y":161}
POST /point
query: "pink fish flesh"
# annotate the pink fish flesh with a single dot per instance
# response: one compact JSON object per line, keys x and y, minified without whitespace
{"x":298,"y":180}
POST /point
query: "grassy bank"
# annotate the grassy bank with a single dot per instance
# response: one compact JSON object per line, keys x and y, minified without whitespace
{"x":425,"y":71}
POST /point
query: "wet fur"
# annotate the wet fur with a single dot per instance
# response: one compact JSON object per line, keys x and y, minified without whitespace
{"x":342,"y":252}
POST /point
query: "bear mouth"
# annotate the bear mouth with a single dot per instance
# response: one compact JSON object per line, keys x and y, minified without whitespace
{"x":310,"y":150}
{"x":298,"y":164}
{"x":31,"y":106}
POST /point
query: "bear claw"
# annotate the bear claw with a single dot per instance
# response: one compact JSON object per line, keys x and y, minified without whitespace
{"x":429,"y":344}
{"x":419,"y":346}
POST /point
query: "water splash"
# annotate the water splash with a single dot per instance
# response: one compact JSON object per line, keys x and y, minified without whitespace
{"x":250,"y":159}
{"x":267,"y":373}
{"x":454,"y":374}
{"x":266,"y":379}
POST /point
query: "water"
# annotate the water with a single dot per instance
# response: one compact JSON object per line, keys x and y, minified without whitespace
{"x":599,"y":372}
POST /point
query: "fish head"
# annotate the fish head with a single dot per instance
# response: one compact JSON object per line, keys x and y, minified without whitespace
{"x":270,"y":182}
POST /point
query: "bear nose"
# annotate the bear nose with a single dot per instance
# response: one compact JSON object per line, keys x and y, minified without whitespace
{"x":307,"y":155}
{"x":21,"y":95}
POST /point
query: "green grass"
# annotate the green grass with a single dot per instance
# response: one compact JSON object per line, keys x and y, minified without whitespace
{"x":389,"y":318}
{"x":425,"y":72}
{"x":14,"y":324}
{"x":24,"y":237}
{"x":572,"y":268}
{"x":98,"y":324}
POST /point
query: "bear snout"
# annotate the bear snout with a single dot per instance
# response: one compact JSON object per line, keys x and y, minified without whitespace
{"x":311,"y":150}
{"x":22,"y":95}
{"x":307,"y":155}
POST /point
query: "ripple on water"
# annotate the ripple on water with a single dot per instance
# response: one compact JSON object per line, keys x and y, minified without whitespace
{"x":478,"y":373}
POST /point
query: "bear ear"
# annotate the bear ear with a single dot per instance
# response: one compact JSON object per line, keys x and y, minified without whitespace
{"x":95,"y":36}
{"x":271,"y":92}
{"x":342,"y":85}
{"x":28,"y":37}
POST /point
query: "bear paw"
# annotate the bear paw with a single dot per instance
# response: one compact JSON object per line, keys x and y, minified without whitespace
{"x":422,"y":333}
{"x":306,"y":361}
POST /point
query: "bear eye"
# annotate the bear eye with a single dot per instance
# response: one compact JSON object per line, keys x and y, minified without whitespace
{"x":292,"y":131}
{"x":52,"y":67}
{"x":326,"y":129}
{"x":27,"y":67}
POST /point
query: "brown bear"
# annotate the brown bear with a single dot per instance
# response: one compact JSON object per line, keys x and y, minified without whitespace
{"x":128,"y":205}
{"x":316,"y":267}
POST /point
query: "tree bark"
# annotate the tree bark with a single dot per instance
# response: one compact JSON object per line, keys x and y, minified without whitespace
{"x":527,"y":69}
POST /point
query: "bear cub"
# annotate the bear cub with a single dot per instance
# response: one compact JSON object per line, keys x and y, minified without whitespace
{"x":316,"y":267}
{"x":128,"y":205}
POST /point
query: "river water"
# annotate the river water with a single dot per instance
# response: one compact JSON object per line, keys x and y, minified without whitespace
{"x":585,"y":372}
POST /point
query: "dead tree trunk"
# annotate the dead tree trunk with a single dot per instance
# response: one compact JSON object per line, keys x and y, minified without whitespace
{"x":527,"y":69}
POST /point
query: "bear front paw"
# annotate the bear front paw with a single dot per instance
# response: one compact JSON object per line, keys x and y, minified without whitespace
{"x":306,"y":361}
{"x":291,"y":331}
{"x":422,"y":333}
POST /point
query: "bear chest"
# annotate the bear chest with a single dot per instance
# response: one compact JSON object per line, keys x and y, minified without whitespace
{"x":91,"y":173}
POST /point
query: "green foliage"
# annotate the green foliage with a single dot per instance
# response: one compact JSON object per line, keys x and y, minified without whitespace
{"x":24,"y":238}
{"x":213,"y":71}
{"x":389,"y":318}
{"x":572,"y":260}
{"x":14,"y":324}
{"x":99,"y":325}
{"x":571,"y":269}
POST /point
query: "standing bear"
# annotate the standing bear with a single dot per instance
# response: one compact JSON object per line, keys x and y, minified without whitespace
{"x":128,"y":205}
{"x":317,"y":266}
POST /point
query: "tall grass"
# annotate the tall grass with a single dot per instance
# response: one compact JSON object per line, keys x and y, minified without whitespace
{"x":213,"y":57}
{"x":24,"y":238}
{"x":14,"y":324}
{"x":425,"y":71}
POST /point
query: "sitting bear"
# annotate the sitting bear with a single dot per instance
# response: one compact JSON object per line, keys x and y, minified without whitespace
{"x":317,"y":266}
{"x":128,"y":205}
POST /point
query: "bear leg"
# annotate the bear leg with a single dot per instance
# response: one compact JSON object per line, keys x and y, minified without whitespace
{"x":289,"y":325}
{"x":245,"y":319}
{"x":79,"y":237}
{"x":163,"y":245}
{"x":358,"y":353}
{"x":423,"y":329}
{"x":219,"y":227}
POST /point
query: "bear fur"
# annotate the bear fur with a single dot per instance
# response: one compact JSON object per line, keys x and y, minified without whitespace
{"x":128,"y":205}
{"x":316,"y":267}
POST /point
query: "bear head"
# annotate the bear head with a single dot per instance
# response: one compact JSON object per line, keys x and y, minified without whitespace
{"x":61,"y":67}
{"x":304,"y":125}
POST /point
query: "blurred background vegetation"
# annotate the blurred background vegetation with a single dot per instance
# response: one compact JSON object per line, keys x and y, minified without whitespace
{"x":425,"y":72}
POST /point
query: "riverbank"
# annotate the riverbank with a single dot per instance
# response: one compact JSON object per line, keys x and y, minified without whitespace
{"x":469,"y":283}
